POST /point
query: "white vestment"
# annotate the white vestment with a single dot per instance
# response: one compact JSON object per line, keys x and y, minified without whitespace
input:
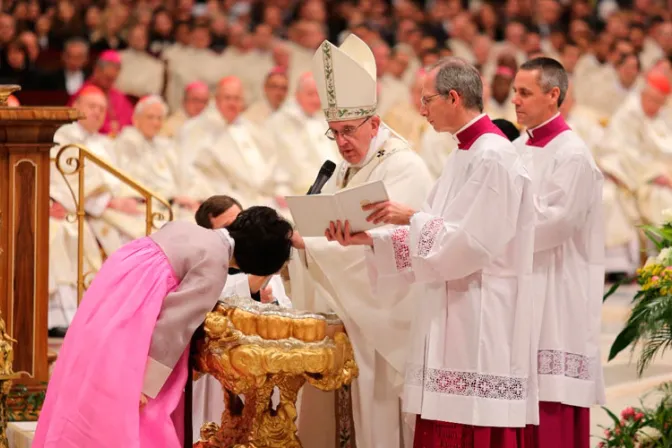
{"x":621,"y":242}
{"x":241,"y":162}
{"x":150,"y":162}
{"x":154,"y":165}
{"x":258,"y":112}
{"x":471,"y":359}
{"x":208,"y":395}
{"x":377,"y":324}
{"x":198,"y":133}
{"x":392,"y":92}
{"x":637,"y":149}
{"x":141,"y":74}
{"x":111,"y":227}
{"x":188,"y":64}
{"x":568,"y":263}
{"x":302,"y":146}
{"x":173,"y":124}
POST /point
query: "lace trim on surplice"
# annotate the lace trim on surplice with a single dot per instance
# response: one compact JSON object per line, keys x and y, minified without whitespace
{"x":402,"y":254}
{"x":468,"y":384}
{"x":559,"y":363}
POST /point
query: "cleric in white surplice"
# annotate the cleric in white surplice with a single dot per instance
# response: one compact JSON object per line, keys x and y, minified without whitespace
{"x":568,"y":257}
{"x":471,"y":372}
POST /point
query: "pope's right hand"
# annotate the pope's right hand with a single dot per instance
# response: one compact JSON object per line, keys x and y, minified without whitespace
{"x":297,"y":240}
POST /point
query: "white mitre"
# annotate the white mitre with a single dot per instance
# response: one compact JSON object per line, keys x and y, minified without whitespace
{"x":346,"y":79}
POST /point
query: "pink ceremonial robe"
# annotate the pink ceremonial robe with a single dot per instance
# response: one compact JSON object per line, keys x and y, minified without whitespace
{"x":131,"y":335}
{"x":119,"y":110}
{"x":470,"y":376}
{"x":568,"y":279}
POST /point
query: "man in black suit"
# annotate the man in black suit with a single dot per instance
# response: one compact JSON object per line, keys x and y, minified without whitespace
{"x":72,"y":75}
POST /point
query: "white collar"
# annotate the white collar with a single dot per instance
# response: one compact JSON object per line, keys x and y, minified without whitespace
{"x":227,"y":237}
{"x":376,"y":143}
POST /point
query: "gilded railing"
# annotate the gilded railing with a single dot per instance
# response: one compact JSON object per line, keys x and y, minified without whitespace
{"x":71,"y":165}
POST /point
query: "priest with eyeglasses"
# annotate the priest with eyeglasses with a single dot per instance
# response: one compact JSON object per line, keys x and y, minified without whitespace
{"x":328,"y":277}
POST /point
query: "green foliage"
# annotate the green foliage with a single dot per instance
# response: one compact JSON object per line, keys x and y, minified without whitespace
{"x":650,"y":323}
{"x":642,"y":427}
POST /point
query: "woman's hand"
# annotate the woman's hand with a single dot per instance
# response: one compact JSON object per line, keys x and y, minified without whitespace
{"x":143,"y":400}
{"x":267,"y":295}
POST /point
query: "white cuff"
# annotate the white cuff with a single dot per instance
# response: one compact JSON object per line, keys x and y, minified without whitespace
{"x":156,"y":375}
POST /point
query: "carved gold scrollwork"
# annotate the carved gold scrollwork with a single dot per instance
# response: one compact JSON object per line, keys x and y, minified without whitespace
{"x":69,"y":165}
{"x":252,"y":349}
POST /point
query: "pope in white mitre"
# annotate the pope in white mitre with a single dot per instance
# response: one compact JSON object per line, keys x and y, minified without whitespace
{"x":329,"y":277}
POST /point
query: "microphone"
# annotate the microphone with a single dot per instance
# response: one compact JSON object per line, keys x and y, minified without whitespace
{"x":323,"y":176}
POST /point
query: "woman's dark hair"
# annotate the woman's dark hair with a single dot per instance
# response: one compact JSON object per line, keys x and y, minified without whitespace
{"x":213,"y":207}
{"x":262,"y":241}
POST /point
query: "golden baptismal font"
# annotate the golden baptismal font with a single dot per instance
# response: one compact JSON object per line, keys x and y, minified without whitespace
{"x":251,"y":349}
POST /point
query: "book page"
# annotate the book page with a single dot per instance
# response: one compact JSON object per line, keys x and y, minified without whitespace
{"x":351,"y":200}
{"x":312,"y":213}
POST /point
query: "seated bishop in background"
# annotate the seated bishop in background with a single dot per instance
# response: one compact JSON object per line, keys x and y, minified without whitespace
{"x":276,"y":87}
{"x":325,"y":276}
{"x":103,"y":198}
{"x":635,"y":149}
{"x":196,"y":97}
{"x":149,"y":158}
{"x":237,"y":157}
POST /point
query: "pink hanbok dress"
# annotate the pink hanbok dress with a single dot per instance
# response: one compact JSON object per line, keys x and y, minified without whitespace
{"x":131,"y":335}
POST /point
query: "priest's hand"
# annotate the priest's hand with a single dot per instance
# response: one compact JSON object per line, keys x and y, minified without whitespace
{"x":389,"y":213}
{"x":341,"y":233}
{"x":297,"y":240}
{"x":143,"y":400}
{"x":126,"y":205}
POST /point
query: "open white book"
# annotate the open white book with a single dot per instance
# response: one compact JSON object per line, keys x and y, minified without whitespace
{"x":312,"y":213}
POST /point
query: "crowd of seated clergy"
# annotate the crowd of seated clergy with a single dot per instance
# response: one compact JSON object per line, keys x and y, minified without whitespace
{"x":217,"y":98}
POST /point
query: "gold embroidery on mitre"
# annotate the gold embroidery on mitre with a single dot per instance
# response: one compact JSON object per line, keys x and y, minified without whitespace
{"x":333,"y":112}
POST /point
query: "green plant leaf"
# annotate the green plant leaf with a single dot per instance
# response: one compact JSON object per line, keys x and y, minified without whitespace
{"x":661,"y":237}
{"x":617,"y":285}
{"x":629,"y":335}
{"x":613,"y":416}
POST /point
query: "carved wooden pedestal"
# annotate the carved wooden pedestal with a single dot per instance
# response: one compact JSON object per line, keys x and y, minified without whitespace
{"x":26,"y":136}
